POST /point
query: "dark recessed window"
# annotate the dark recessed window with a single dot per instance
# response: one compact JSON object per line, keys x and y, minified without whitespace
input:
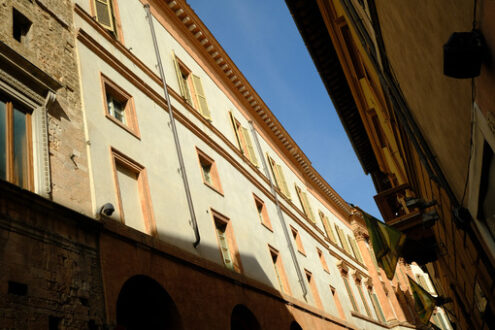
{"x":21,"y":27}
{"x":19,"y":289}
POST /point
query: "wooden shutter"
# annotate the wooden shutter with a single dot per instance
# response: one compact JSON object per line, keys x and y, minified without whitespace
{"x":249,"y":145}
{"x":182,"y":86}
{"x":355,"y":249}
{"x":283,"y":183}
{"x":328,"y":227}
{"x":104,"y":15}
{"x":303,"y":198}
{"x":271,"y":162}
{"x":234,"y":126}
{"x":342,"y":239}
{"x":200,"y":96}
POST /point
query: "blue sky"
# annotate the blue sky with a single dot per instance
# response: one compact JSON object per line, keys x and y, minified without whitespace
{"x":262,"y":39}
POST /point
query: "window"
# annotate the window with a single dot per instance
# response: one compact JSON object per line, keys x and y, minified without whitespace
{"x":119,"y":106}
{"x":133,"y":197}
{"x":303,"y":199}
{"x":314,"y":290}
{"x":327,"y":226}
{"x":15,"y":144}
{"x":486,"y":206}
{"x":106,"y":13}
{"x":278,"y":174}
{"x":191,"y":88}
{"x":243,"y":140}
{"x":297,"y":238}
{"x":349,"y":293}
{"x":322,"y":260}
{"x":209,"y":172}
{"x":355,"y":249}
{"x":363,"y":299}
{"x":337,"y":302}
{"x":343,"y":241}
{"x":226,"y":242}
{"x":262,"y":213}
{"x":376,"y":305}
{"x":279,"y":270}
{"x":21,"y":26}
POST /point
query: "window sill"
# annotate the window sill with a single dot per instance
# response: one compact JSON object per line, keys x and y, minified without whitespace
{"x":215,"y":189}
{"x":123,"y":126}
{"x":267,"y":226}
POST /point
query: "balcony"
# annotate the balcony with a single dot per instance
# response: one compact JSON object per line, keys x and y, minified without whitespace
{"x":408,"y":214}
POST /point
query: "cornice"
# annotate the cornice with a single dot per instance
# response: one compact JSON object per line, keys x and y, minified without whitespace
{"x":186,"y":19}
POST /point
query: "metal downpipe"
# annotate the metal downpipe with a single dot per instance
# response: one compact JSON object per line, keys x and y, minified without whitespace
{"x":279,"y":211}
{"x":174,"y":128}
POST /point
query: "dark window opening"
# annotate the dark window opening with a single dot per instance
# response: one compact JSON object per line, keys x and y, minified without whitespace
{"x":19,"y":289}
{"x":21,"y":27}
{"x":54,"y":322}
{"x":486,"y":202}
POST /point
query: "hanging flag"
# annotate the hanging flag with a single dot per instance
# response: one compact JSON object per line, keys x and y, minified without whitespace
{"x":424,"y":303}
{"x":387,"y":243}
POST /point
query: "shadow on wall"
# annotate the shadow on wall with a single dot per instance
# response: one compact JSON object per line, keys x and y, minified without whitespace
{"x":175,"y":294}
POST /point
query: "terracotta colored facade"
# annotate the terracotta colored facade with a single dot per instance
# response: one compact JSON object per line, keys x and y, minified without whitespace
{"x":103,"y":234}
{"x":426,"y":139}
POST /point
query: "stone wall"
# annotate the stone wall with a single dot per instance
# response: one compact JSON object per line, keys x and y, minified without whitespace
{"x":50,"y":272}
{"x":50,"y":45}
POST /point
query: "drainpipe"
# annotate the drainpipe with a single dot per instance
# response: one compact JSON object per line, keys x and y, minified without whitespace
{"x":279,"y":211}
{"x":174,"y":128}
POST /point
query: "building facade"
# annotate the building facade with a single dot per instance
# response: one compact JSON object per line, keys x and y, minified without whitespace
{"x":145,"y":184}
{"x":426,"y":139}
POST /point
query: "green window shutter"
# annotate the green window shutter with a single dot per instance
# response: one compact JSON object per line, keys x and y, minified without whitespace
{"x":200,"y":96}
{"x":355,"y":249}
{"x":234,"y":126}
{"x":350,"y":295}
{"x":363,"y":299}
{"x":249,"y":145}
{"x":377,"y":306}
{"x":104,"y":14}
{"x":184,"y":91}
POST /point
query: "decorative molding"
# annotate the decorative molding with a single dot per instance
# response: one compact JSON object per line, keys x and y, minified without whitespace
{"x":191,"y":25}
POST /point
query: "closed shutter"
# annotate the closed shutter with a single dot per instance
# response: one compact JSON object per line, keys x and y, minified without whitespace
{"x":328,"y":227}
{"x":224,"y":247}
{"x":355,"y":249}
{"x":303,"y":198}
{"x":104,"y":15}
{"x":249,"y":145}
{"x":234,"y":126}
{"x":184,"y":91}
{"x":283,"y":183}
{"x":271,"y":162}
{"x":200,"y":95}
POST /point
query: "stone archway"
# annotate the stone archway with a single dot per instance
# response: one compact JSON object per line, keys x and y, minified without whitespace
{"x":243,"y":319}
{"x":144,"y":304}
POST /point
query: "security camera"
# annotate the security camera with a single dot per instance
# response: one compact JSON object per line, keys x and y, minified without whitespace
{"x":107,"y":209}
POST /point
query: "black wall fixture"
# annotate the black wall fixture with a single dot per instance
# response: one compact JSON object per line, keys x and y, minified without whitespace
{"x":463,"y":54}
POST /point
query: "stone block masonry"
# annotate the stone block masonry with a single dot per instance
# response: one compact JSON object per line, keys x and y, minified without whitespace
{"x":50,"y":45}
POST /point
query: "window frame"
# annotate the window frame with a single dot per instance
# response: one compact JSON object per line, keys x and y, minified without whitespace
{"x":323,"y":261}
{"x":221,"y":219}
{"x":280,"y":270}
{"x":116,"y":29}
{"x":279,"y":177}
{"x":297,"y":238}
{"x":314,"y":289}
{"x":12,"y":104}
{"x":350,"y":294}
{"x":215,"y":184}
{"x":131,"y":122}
{"x":244,"y":140}
{"x":305,"y":204}
{"x":337,"y":302}
{"x":189,"y":88}
{"x":263,"y":215}
{"x":118,"y":158}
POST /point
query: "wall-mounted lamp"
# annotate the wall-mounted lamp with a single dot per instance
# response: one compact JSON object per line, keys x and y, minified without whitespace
{"x":463,"y":54}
